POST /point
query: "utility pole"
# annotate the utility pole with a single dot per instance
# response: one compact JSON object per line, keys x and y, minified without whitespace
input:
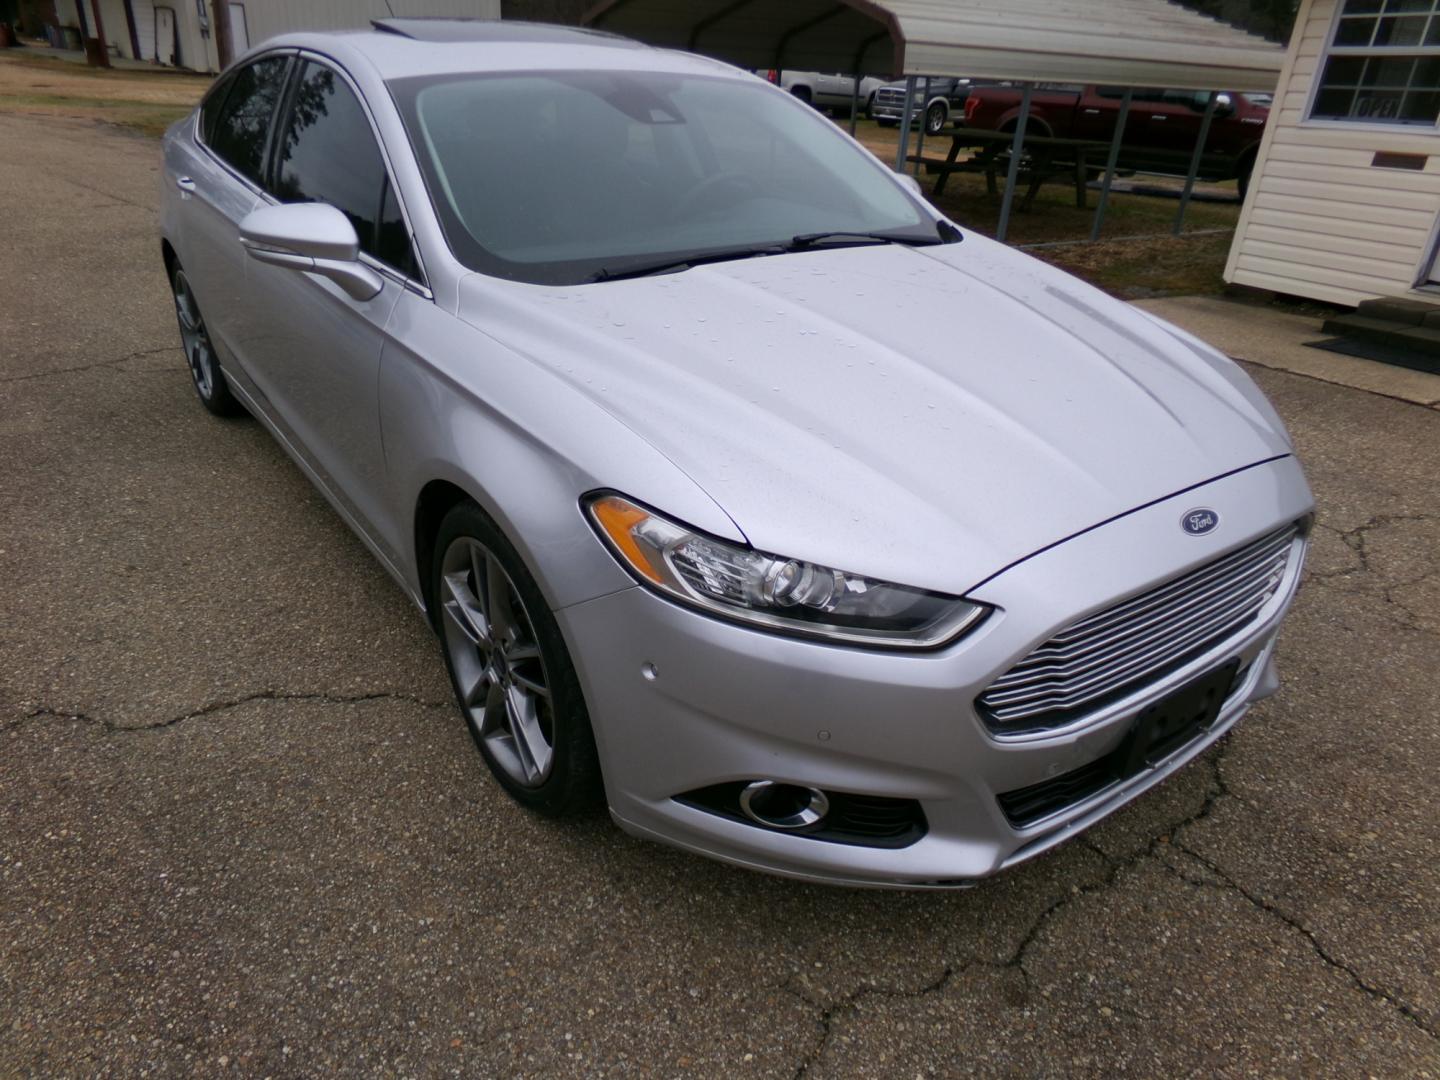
{"x":221,"y":21}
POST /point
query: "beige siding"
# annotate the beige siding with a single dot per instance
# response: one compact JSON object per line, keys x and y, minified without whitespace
{"x":1321,"y":221}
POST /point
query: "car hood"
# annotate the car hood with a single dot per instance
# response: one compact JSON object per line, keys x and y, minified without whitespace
{"x":927,"y":416}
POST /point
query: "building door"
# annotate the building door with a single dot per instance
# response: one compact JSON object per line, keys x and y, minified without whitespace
{"x":144,"y":15}
{"x":165,"y":36}
{"x":239,"y":30}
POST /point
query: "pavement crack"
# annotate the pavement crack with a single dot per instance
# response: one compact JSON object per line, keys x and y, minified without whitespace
{"x":1115,"y":866}
{"x":1227,"y":882}
{"x":113,"y":362}
{"x":848,"y":1003}
{"x":113,"y":728}
{"x":1357,"y":539}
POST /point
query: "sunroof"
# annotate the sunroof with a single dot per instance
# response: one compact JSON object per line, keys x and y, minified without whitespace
{"x":483,"y":30}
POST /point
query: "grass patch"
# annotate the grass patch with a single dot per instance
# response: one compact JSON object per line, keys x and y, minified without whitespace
{"x":147,"y":118}
{"x":146,"y":101}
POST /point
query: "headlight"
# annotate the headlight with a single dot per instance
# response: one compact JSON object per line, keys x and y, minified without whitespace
{"x":782,"y":594}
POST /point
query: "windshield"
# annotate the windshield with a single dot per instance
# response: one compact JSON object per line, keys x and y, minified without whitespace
{"x":559,"y":178}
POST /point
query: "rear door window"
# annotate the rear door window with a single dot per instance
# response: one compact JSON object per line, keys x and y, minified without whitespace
{"x":210,"y":107}
{"x":243,"y":121}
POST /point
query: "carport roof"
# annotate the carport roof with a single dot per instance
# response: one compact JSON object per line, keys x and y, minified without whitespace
{"x":1109,"y":42}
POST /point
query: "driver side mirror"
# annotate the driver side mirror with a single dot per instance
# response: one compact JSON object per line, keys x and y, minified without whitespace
{"x":310,"y":236}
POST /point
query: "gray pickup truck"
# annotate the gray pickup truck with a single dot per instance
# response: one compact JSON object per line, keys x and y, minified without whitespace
{"x":935,"y":103}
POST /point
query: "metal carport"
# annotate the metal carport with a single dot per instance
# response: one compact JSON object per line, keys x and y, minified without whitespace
{"x":1130,"y":43}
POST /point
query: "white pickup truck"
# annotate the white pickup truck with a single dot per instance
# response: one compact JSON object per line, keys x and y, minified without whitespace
{"x":824,"y":90}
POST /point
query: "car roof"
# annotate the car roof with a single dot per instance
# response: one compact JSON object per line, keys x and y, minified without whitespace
{"x":400,"y":48}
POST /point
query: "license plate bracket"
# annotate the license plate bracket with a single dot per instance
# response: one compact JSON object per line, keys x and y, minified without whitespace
{"x":1167,"y":725}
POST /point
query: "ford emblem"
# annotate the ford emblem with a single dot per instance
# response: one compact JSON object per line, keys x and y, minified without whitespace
{"x":1200,"y":521}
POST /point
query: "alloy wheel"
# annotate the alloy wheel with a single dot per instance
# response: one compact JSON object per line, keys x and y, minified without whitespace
{"x":194,"y":338}
{"x":499,"y":671}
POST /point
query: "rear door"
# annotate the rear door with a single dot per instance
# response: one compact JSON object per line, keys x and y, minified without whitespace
{"x":218,"y":180}
{"x":1173,"y":123}
{"x":316,"y":350}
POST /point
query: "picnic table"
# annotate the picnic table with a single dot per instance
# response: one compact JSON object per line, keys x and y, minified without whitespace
{"x":1048,"y":156}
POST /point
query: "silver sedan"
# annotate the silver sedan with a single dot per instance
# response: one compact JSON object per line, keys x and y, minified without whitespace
{"x":744,"y":492}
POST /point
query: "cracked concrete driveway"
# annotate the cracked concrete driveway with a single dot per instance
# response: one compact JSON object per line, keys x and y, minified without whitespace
{"x":241,"y":826}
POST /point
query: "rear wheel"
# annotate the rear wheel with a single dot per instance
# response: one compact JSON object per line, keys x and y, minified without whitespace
{"x":1242,"y":175}
{"x":205,"y":374}
{"x":510,"y":669}
{"x":801,"y":93}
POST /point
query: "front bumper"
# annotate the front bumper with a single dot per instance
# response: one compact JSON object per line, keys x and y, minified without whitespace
{"x":886,"y":111}
{"x":681,"y":701}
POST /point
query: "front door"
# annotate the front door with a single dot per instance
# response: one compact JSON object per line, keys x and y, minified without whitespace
{"x":315,"y":351}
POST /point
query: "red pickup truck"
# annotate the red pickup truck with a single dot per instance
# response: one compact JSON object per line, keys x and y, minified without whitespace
{"x":1160,"y":133}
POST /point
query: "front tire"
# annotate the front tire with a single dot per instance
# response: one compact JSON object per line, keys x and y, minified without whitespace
{"x":510,"y":669}
{"x":935,"y":118}
{"x":205,"y":374}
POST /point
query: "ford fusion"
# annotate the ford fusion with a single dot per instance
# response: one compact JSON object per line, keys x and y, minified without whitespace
{"x":746,"y":494}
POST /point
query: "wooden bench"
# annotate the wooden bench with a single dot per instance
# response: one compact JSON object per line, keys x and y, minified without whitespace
{"x":1048,"y":157}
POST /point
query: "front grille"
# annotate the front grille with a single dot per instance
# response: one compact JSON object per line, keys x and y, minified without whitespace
{"x":1113,"y":653}
{"x":889,"y":97}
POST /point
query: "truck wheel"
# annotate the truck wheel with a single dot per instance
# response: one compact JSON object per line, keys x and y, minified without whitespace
{"x":802,"y":93}
{"x":935,"y":117}
{"x":1242,"y":176}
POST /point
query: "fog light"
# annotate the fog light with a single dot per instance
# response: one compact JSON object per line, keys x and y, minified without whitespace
{"x":783,"y":806}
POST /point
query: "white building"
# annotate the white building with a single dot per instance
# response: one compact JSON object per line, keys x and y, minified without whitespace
{"x":181,"y":32}
{"x":1344,"y":203}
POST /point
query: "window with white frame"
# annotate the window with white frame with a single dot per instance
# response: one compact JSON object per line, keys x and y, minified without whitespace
{"x":1383,"y":65}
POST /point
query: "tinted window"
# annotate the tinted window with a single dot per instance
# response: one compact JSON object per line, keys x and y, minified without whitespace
{"x":392,"y":243}
{"x":328,"y":154}
{"x":243,"y":122}
{"x":210,"y":107}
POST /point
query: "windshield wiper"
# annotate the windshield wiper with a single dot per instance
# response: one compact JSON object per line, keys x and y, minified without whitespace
{"x":844,"y":236}
{"x":676,"y":263}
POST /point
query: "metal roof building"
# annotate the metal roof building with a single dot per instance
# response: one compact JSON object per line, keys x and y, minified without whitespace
{"x":1113,"y":42}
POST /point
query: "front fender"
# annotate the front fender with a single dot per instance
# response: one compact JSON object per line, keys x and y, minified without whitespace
{"x":457,"y":406}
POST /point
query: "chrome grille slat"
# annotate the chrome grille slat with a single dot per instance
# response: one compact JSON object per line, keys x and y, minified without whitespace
{"x":1119,"y":647}
{"x":1056,"y":666}
{"x":1162,"y":596}
{"x":1157,"y":656}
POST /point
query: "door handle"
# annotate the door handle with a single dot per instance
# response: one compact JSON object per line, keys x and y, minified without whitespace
{"x":1158,"y":116}
{"x":1092,"y":112}
{"x":185,"y":184}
